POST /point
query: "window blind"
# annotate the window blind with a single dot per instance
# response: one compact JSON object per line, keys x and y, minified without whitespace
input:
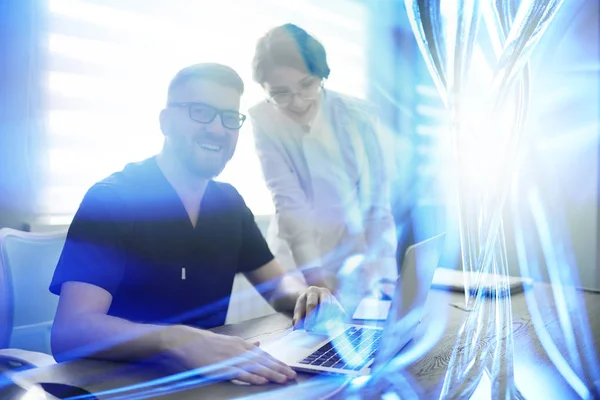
{"x":432,"y":145}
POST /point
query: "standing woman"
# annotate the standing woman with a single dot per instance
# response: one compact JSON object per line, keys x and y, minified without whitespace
{"x":323,"y":164}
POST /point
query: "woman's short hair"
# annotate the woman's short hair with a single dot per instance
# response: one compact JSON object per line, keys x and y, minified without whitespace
{"x":290,"y":46}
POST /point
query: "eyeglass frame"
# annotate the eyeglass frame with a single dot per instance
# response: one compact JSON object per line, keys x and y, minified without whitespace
{"x":321,"y":83}
{"x":218,"y":112}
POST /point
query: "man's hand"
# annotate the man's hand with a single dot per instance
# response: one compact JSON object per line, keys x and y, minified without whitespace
{"x":317,"y":309}
{"x":227,"y":357}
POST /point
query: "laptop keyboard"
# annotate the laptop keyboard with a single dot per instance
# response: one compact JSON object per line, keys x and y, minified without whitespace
{"x":350,"y":350}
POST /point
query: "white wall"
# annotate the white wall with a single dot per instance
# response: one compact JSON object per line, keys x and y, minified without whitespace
{"x":562,"y":160}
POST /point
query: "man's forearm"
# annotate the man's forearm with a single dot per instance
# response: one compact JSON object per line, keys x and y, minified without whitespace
{"x":106,"y":337}
{"x":286,"y":294}
{"x":289,"y":289}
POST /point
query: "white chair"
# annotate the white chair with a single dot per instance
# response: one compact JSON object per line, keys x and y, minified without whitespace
{"x":27,"y":308}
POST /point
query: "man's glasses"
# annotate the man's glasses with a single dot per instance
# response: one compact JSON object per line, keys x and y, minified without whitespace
{"x":309,"y":91}
{"x":206,"y":114}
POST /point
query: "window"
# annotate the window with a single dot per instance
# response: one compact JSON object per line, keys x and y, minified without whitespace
{"x":110,"y":62}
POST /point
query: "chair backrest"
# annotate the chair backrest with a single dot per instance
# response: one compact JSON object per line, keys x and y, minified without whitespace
{"x":27,"y":263}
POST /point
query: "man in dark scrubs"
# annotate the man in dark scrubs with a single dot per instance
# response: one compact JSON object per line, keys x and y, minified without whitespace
{"x":152,"y":252}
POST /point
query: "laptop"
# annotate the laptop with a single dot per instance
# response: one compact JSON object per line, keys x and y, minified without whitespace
{"x":355,"y":349}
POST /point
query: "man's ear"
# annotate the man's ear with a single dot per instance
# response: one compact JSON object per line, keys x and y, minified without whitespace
{"x":164,"y":121}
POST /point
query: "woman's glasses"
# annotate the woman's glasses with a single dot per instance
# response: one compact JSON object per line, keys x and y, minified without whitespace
{"x":309,"y":91}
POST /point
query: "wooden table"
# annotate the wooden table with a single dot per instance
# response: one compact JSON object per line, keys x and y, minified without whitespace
{"x":535,"y":374}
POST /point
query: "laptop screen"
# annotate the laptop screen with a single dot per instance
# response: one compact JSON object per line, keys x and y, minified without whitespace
{"x":416,"y":275}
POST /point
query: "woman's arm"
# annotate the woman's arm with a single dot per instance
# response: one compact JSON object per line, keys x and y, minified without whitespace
{"x":374,"y":192}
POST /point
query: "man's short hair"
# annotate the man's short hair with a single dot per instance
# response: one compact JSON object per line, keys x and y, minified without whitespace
{"x":213,"y":72}
{"x":290,"y":46}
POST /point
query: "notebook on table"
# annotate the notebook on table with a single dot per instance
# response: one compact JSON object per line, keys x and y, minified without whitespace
{"x":454,"y":280}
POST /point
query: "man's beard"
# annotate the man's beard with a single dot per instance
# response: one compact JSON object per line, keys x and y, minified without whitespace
{"x":201,"y":163}
{"x":207,"y":169}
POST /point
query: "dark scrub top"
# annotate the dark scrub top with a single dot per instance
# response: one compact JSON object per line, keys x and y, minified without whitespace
{"x":132,"y":236}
